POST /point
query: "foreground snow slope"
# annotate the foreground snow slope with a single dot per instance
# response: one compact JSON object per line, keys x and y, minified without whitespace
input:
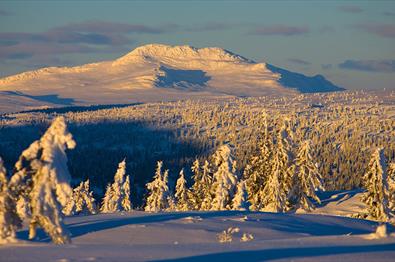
{"x":192,"y":236}
{"x":154,"y":73}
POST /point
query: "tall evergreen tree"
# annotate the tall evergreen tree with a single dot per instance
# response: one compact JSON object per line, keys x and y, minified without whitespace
{"x":376,"y":195}
{"x":182,"y":193}
{"x":225,"y":180}
{"x":82,"y":201}
{"x":391,"y":186}
{"x":307,"y":179}
{"x":285,"y":156}
{"x":240,"y":200}
{"x":42,"y":181}
{"x":274,"y":193}
{"x":158,"y":191}
{"x":117,"y":197}
{"x":258,"y":170}
{"x":206,"y":181}
{"x":9,"y":220}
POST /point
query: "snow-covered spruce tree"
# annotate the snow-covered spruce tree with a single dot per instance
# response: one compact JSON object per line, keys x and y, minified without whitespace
{"x":196,"y":197}
{"x":9,"y":220}
{"x":107,"y":205}
{"x":42,"y":179}
{"x":158,"y":191}
{"x":81,"y":202}
{"x":391,"y":186}
{"x":224,"y":179}
{"x":307,"y":179}
{"x":182,"y":193}
{"x":376,"y":195}
{"x":285,"y":157}
{"x":117,"y":197}
{"x":275,"y":196}
{"x":206,"y":182}
{"x":126,"y":204}
{"x":240,"y":200}
{"x":258,"y":170}
{"x":200,"y":195}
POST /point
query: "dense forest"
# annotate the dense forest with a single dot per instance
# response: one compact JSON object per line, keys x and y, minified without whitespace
{"x":260,"y":154}
{"x":343,"y":128}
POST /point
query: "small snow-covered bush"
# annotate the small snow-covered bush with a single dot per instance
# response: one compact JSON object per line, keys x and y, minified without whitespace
{"x":227,"y":235}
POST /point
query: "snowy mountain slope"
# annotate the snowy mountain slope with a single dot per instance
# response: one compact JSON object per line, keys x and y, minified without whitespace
{"x":192,"y":236}
{"x":159,"y":72}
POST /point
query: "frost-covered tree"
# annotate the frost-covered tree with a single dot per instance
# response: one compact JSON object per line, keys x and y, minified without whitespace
{"x":274,"y":193}
{"x":224,"y":179}
{"x":391,"y":186}
{"x":196,"y":197}
{"x":206,"y":181}
{"x":307,"y":179}
{"x":158,"y":191}
{"x":9,"y":220}
{"x":106,"y":205}
{"x":117,"y":197}
{"x":240,"y":200}
{"x":284,"y":156}
{"x":42,"y":179}
{"x":200,"y":195}
{"x":126,"y":204}
{"x":376,"y":195}
{"x":82,"y":201}
{"x":258,"y":170}
{"x":274,"y":196}
{"x":182,"y":193}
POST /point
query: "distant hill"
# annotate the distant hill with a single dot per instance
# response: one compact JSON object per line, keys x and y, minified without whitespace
{"x":153,"y":73}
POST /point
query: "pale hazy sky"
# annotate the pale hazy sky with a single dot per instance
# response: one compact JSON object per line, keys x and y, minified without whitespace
{"x":352,"y":43}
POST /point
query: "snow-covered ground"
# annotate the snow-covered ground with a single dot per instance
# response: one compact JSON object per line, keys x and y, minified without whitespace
{"x":193,"y":236}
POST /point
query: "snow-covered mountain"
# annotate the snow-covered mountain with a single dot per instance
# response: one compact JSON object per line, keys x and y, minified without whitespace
{"x":152,"y":73}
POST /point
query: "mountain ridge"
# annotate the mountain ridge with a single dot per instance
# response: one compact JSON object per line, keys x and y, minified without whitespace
{"x":157,"y":72}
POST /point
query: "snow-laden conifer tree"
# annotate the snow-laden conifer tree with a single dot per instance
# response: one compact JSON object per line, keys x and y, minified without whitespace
{"x":82,"y":201}
{"x":42,"y":179}
{"x":126,"y":204}
{"x":9,"y":220}
{"x":158,"y":191}
{"x":307,"y":179}
{"x":391,"y":186}
{"x":106,"y":205}
{"x":224,"y":179}
{"x":240,"y":200}
{"x":284,"y":158}
{"x":258,"y":170}
{"x":200,"y":197}
{"x":206,"y":182}
{"x":196,"y":197}
{"x":275,"y":196}
{"x":376,"y":185}
{"x":117,"y":197}
{"x":182,"y":193}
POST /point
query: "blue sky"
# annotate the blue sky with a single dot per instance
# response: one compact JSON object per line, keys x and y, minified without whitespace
{"x":352,"y":43}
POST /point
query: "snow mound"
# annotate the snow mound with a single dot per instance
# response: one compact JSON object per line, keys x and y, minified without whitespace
{"x":142,"y":236}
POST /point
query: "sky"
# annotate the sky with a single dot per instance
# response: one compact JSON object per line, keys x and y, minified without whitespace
{"x":352,"y":43}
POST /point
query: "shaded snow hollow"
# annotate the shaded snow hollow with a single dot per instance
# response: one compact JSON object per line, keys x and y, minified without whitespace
{"x":154,"y":73}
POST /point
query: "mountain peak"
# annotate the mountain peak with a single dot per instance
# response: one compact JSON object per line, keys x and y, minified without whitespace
{"x":162,"y":51}
{"x":156,"y":72}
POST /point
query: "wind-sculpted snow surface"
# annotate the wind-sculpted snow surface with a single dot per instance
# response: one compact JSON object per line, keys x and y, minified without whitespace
{"x":193,"y":236}
{"x":154,"y":73}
